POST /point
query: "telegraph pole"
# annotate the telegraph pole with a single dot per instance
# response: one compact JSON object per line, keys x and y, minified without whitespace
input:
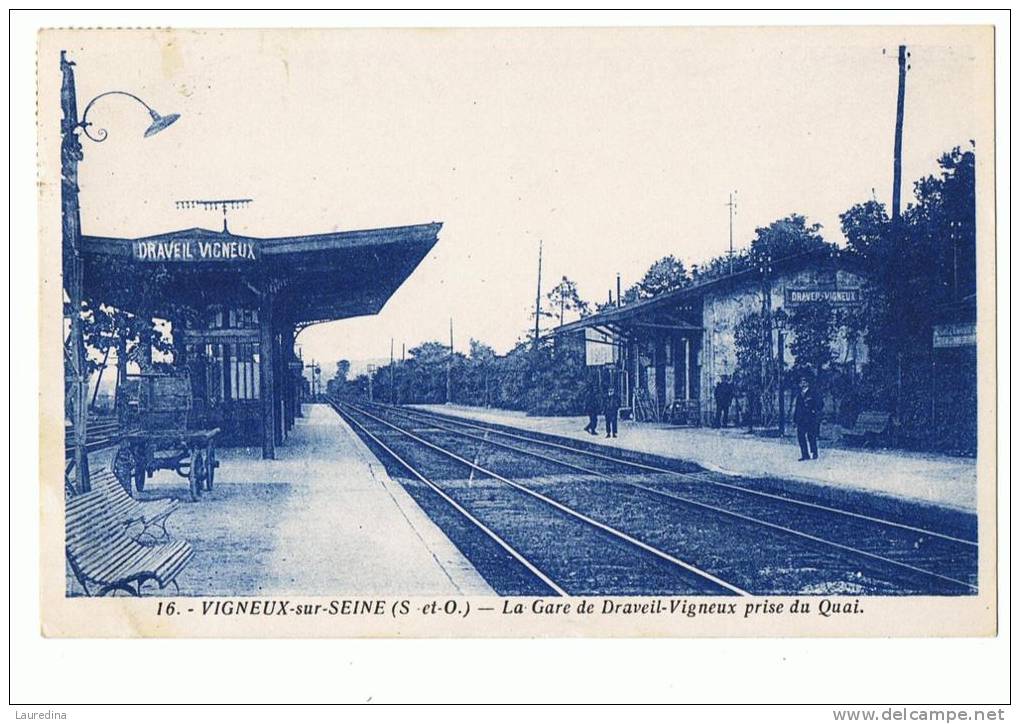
{"x":619,"y":293}
{"x":538,"y":293}
{"x":898,"y":141}
{"x":393,"y":388}
{"x":897,"y":179}
{"x":733,"y":207}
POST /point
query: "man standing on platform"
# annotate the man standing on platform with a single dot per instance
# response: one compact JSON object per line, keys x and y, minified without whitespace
{"x":723,"y":400}
{"x":612,"y":412}
{"x":807,"y":410}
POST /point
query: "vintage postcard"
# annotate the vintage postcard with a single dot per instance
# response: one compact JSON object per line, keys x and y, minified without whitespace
{"x":633,"y":332}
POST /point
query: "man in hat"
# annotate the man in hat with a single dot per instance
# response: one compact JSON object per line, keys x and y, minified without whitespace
{"x":807,"y":411}
{"x":612,"y":411}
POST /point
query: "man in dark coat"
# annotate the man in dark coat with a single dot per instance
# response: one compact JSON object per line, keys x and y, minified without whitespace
{"x":612,"y":412}
{"x":807,"y":411}
{"x":592,"y":408}
{"x":723,"y":400}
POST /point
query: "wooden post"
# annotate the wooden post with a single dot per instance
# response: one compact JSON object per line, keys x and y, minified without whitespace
{"x":281,"y":381}
{"x":687,"y":368}
{"x":74,"y":364}
{"x":266,"y":363}
{"x":290,"y":384}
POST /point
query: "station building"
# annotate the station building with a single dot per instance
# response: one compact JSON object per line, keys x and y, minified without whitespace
{"x":669,"y":351}
{"x":236,"y":303}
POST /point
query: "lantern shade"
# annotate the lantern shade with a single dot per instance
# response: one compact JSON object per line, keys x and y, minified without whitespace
{"x":160,"y":122}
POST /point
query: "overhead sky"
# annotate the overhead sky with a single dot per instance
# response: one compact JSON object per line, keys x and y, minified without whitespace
{"x":612,"y":147}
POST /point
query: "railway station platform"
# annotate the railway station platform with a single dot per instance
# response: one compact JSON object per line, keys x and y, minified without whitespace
{"x":324,"y":518}
{"x":928,"y":478}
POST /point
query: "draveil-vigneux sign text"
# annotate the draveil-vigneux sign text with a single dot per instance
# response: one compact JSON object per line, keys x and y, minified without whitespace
{"x":191,"y":250}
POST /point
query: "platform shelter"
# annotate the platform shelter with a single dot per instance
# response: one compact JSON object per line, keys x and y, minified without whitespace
{"x":236,"y":303}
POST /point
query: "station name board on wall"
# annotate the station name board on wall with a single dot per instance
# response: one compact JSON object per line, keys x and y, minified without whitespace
{"x":832,"y":296}
{"x":190,"y":250}
{"x":963,"y":334}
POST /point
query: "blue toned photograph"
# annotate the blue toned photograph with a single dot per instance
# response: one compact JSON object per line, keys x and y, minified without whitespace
{"x":673,"y":314}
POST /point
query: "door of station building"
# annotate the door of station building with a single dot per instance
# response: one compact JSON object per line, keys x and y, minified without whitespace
{"x":223,"y":361}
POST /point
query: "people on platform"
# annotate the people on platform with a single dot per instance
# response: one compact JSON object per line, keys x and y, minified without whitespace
{"x":592,"y":408}
{"x":807,"y":411}
{"x":723,"y":400}
{"x":738,"y":407}
{"x":612,"y":411}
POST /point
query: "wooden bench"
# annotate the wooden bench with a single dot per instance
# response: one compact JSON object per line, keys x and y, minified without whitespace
{"x":101,"y":433}
{"x":870,"y":426}
{"x":102,"y":554}
{"x":149,"y":513}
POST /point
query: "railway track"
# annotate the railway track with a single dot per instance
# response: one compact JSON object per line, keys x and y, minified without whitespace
{"x":754,"y":541}
{"x":606,"y":560}
{"x":942,"y":556}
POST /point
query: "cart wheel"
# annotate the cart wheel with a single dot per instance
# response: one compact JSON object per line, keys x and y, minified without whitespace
{"x":196,"y":474}
{"x":210,"y":467}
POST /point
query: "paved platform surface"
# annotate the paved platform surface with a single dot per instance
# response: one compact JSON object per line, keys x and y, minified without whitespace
{"x":930,"y":478}
{"x":322,"y":519}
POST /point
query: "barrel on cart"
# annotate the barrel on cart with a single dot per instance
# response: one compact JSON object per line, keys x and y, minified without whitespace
{"x":158,"y":408}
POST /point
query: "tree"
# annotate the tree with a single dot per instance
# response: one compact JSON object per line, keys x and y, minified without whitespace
{"x":813,"y":332}
{"x":755,"y":372}
{"x":128,"y":337}
{"x":430,"y":353}
{"x":866,"y":228}
{"x":564,"y":298}
{"x":913,"y":266}
{"x":481,"y":352}
{"x":336,"y":384}
{"x":665,"y":275}
{"x":786,"y":237}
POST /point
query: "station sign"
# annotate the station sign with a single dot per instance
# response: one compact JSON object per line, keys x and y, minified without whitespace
{"x":840,"y":297}
{"x":194,"y":250}
{"x":600,"y":348}
{"x":945,"y":336}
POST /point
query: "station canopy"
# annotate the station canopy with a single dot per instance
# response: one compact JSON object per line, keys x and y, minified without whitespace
{"x":313,"y":278}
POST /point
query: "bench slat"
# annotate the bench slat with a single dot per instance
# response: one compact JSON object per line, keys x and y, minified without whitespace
{"x":104,"y":554}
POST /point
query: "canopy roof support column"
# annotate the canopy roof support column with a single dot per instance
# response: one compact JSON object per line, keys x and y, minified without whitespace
{"x":266,"y":369}
{"x":280,"y":380}
{"x":290,"y":383}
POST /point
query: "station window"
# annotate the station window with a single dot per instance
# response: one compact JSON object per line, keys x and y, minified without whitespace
{"x":243,"y":318}
{"x":244,"y":371}
{"x":214,"y":372}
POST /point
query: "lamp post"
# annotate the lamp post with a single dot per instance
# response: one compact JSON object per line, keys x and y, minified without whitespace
{"x":764,"y":265}
{"x":70,"y":156}
{"x":779,"y":320}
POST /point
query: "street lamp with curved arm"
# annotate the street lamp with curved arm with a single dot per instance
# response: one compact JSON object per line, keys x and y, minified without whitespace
{"x":70,"y":156}
{"x":159,"y":121}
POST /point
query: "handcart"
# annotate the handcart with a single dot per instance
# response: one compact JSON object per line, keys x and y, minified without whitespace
{"x":157,"y":408}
